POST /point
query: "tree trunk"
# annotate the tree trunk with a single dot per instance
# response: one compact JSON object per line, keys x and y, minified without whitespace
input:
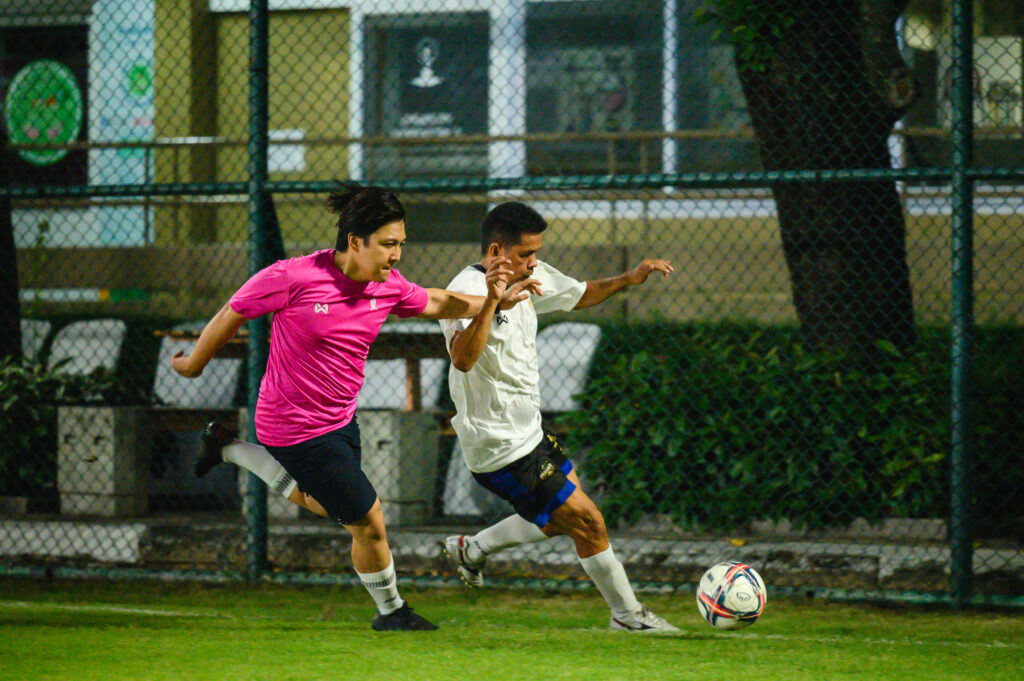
{"x":10,"y":306}
{"x":827,"y":99}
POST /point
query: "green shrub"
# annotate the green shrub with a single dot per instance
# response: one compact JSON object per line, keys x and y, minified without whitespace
{"x":718,"y":426}
{"x":29,"y":397}
{"x":998,"y":415}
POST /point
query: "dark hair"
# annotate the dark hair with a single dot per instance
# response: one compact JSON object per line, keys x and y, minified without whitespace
{"x":507,"y":222}
{"x":362,"y":211}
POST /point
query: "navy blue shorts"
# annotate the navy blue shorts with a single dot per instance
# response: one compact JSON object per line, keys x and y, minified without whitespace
{"x":536,"y":484}
{"x":327,"y":468}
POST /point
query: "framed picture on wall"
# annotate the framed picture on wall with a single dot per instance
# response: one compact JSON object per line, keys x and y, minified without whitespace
{"x":426,"y":76}
{"x":44,"y":98}
{"x":593,"y":68}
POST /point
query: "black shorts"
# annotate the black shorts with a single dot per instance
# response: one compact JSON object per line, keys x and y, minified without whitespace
{"x":536,"y":484}
{"x":326,"y":468}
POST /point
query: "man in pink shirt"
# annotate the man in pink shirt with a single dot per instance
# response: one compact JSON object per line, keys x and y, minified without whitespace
{"x":328,"y":308}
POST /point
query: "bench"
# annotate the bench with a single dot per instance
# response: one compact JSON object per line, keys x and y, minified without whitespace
{"x":106,"y":454}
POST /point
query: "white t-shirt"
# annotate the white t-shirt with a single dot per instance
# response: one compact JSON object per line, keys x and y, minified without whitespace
{"x":497,"y":402}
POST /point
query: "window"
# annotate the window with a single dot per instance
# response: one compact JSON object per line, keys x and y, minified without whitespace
{"x":593,"y":67}
{"x":998,"y":53}
{"x":710,"y":98}
{"x":426,"y":76}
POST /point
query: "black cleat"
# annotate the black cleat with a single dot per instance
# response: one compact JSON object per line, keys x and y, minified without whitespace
{"x":215,"y":436}
{"x":403,"y":619}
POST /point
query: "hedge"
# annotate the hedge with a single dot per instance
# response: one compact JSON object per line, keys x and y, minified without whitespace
{"x":719,"y":425}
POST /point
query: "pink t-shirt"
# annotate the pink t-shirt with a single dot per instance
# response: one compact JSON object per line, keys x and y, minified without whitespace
{"x":323,"y":326}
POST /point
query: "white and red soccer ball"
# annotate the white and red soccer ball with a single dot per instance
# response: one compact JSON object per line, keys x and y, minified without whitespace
{"x":731,"y":595}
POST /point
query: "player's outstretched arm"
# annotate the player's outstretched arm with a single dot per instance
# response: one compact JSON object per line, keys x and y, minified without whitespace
{"x":444,"y":304}
{"x":599,"y":290}
{"x":217,"y":332}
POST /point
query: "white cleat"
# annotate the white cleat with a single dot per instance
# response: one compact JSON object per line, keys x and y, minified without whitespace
{"x":643,"y":621}
{"x":471,"y":572}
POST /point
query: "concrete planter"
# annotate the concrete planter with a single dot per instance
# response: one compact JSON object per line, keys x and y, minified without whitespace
{"x":103,"y":460}
{"x":399,"y":458}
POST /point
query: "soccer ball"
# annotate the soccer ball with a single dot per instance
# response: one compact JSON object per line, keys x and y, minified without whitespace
{"x":731,"y":595}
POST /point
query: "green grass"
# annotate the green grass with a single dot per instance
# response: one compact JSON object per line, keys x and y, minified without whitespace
{"x":138,"y":630}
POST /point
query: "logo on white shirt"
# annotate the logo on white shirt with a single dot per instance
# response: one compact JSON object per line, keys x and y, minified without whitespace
{"x":373,"y":303}
{"x":320,"y":308}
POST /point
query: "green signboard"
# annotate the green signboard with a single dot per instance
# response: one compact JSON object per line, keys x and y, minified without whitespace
{"x":43,"y":106}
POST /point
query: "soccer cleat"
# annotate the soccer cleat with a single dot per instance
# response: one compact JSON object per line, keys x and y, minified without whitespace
{"x":215,"y":436}
{"x":471,"y":572}
{"x":643,"y":621}
{"x":403,"y":619}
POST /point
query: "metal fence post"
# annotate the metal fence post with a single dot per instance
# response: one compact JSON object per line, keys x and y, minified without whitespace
{"x":962,"y":139}
{"x":256,"y":517}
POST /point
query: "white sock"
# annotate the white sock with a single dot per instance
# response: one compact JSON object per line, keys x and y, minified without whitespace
{"x":512,"y":531}
{"x":257,"y":460}
{"x":610,"y":577}
{"x":383,"y":588}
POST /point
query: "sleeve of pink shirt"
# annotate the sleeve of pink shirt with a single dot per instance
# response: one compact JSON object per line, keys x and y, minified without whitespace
{"x":265,"y":292}
{"x":412,"y":297}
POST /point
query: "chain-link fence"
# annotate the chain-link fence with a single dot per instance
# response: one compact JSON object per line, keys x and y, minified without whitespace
{"x":827,"y":387}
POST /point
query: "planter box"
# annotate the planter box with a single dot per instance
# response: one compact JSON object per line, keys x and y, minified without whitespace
{"x":103,"y":460}
{"x":399,"y":458}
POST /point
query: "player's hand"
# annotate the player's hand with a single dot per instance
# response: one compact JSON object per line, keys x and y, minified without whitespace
{"x":183,"y":365}
{"x":498,"y":276}
{"x":519,"y":292}
{"x":639,"y":274}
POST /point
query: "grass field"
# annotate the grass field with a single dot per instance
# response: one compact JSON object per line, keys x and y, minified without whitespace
{"x":135,"y":630}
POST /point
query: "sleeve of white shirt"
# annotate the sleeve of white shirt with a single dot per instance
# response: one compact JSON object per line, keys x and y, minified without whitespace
{"x":559,"y":293}
{"x":471,"y":281}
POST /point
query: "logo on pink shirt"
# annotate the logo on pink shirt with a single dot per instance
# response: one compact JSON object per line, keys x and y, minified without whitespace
{"x":319,"y":308}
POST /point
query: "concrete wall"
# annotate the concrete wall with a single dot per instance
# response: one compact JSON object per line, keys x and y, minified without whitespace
{"x":185,"y":87}
{"x":202,"y":90}
{"x":726,"y":268}
{"x":308,"y":92}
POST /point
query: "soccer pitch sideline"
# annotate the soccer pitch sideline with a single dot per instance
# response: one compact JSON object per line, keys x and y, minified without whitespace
{"x":141,"y":630}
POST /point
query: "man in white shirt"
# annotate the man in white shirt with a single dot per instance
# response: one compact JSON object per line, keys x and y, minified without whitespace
{"x":494,"y":384}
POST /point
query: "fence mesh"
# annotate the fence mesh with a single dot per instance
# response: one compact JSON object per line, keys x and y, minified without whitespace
{"x":783,"y":398}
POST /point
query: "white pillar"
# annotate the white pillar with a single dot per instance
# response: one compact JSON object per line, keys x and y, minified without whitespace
{"x":896,"y":142}
{"x":506,"y":98}
{"x":355,"y":92}
{"x":669,"y":84}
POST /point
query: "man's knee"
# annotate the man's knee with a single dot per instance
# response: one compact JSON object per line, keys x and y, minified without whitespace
{"x":368,"y":534}
{"x":596,"y":530}
{"x":371,"y":528}
{"x":586,"y":522}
